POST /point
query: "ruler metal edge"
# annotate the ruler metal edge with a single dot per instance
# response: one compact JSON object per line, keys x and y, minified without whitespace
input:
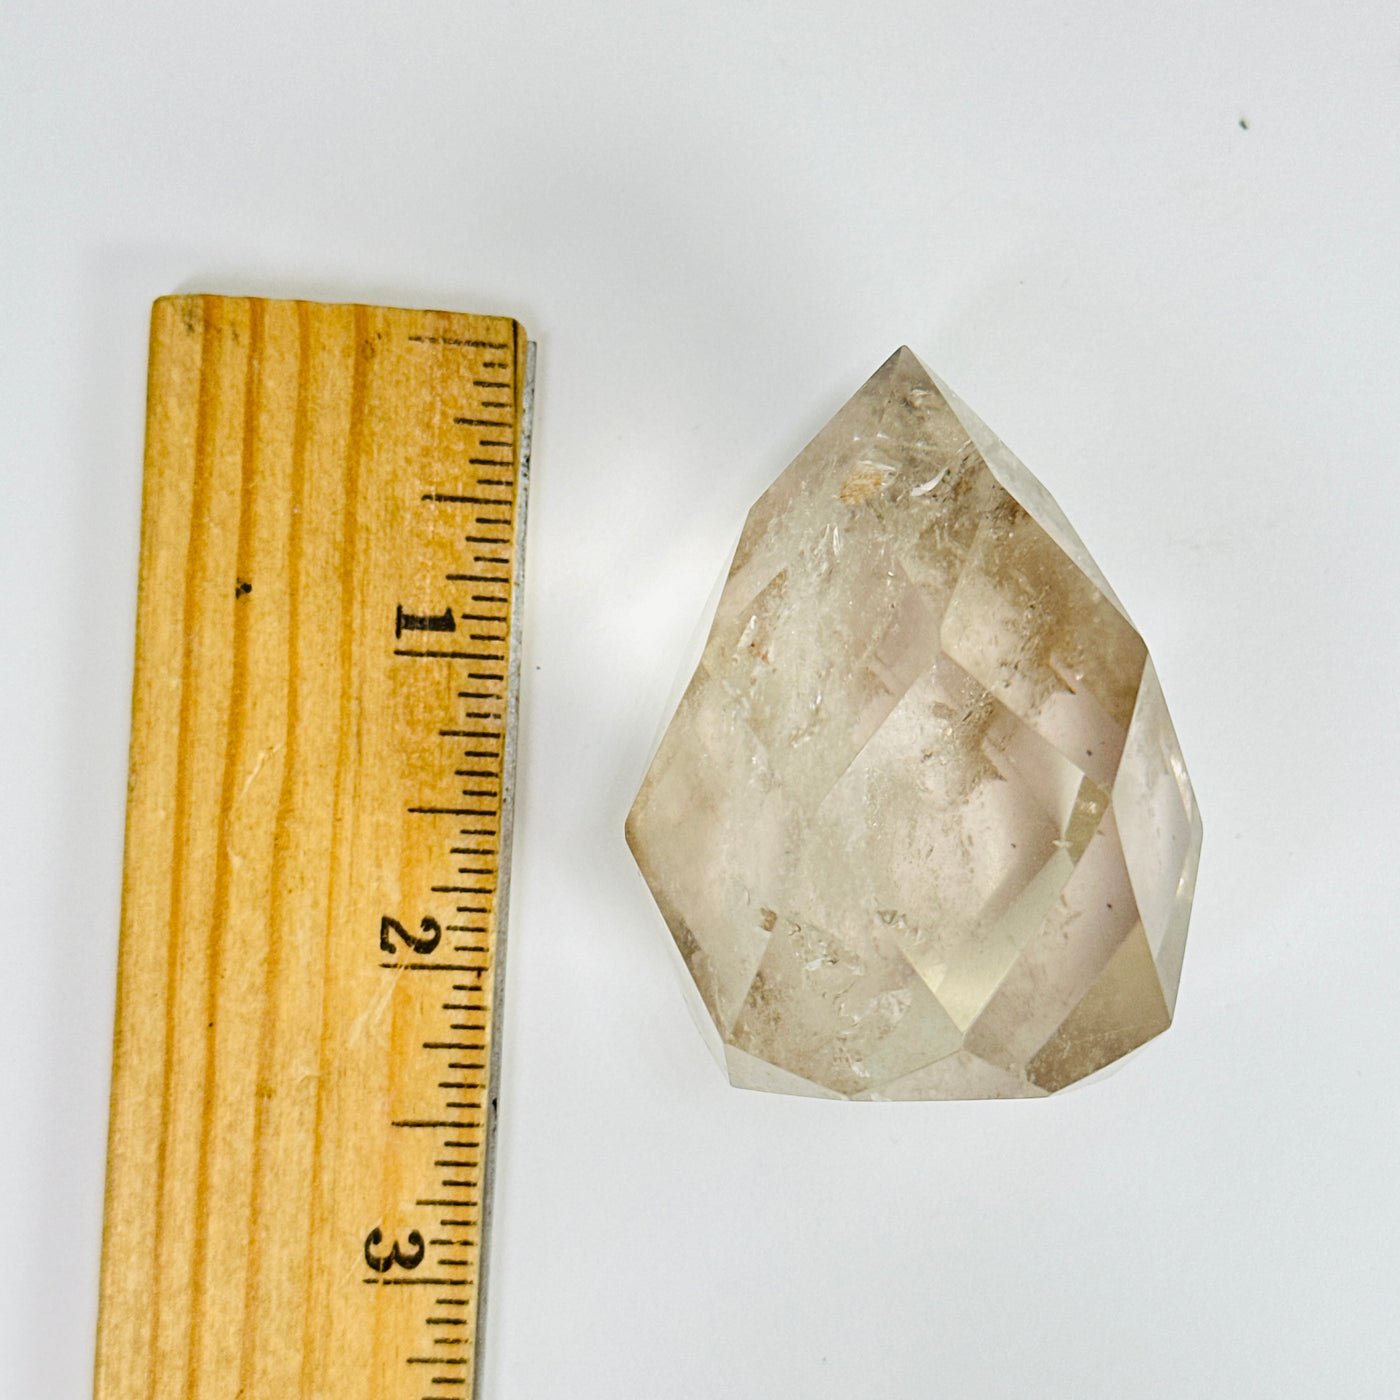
{"x":504,"y":861}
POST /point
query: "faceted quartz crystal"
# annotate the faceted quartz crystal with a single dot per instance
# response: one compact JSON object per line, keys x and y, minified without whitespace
{"x":920,"y":826}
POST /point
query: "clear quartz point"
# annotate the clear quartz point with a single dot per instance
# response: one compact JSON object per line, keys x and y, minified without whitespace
{"x":920,"y":826}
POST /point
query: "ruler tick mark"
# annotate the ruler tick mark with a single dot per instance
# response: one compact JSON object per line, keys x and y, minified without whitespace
{"x":446,"y":655}
{"x":433,"y":967}
{"x":459,"y":343}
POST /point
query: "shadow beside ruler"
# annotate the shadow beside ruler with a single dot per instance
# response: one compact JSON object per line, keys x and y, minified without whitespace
{"x":317,"y":853}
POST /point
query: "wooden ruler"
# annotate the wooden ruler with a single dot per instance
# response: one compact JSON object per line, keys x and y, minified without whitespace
{"x":317,"y":853}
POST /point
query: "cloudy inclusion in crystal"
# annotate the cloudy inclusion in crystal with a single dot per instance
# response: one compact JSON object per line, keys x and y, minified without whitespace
{"x":920,"y":826}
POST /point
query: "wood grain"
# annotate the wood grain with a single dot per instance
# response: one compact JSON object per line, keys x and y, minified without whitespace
{"x":331,"y":542}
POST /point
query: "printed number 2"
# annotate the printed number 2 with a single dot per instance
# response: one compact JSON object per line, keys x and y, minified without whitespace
{"x":432,"y":935}
{"x":382,"y":1263}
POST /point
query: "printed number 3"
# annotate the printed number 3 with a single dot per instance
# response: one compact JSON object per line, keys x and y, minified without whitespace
{"x":382,"y":1263}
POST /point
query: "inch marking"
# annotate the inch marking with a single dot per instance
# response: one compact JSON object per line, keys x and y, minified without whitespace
{"x":460,"y":344}
{"x":434,"y":967}
{"x":489,"y":745}
{"x":446,"y":655}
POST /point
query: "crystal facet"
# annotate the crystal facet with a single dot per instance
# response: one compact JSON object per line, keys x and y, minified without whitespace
{"x":920,"y":826}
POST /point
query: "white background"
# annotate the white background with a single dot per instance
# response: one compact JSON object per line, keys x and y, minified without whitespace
{"x":1155,"y":247}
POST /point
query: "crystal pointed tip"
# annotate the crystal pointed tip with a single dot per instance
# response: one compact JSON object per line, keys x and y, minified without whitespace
{"x":905,"y":359}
